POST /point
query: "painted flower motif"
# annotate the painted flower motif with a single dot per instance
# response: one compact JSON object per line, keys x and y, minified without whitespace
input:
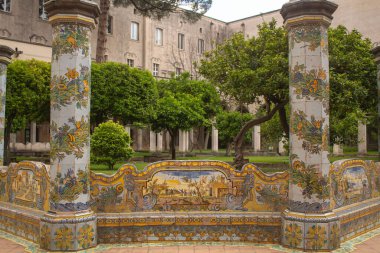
{"x":72,"y":73}
{"x":86,"y":86}
{"x":64,"y":238}
{"x":72,"y":41}
{"x":313,"y":86}
{"x":317,"y":123}
{"x":293,"y":235}
{"x":69,"y":38}
{"x":322,"y":74}
{"x":71,"y":138}
{"x":316,"y":235}
{"x":85,"y":236}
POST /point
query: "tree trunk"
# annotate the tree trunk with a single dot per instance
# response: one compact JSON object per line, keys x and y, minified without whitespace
{"x":102,"y":31}
{"x":238,"y":141}
{"x":206,"y":139}
{"x":173,"y":137}
{"x":7,"y":137}
{"x":284,"y":120}
{"x":228,"y":149}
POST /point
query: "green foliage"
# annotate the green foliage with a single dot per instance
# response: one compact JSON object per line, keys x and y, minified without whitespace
{"x":183,"y":104}
{"x":256,"y":70}
{"x":122,"y":93}
{"x":353,"y":94}
{"x":27,"y":94}
{"x":271,"y":132}
{"x":204,"y":91}
{"x":229,"y":125}
{"x":159,"y":9}
{"x":251,"y":71}
{"x":110,"y":143}
{"x":247,"y":70}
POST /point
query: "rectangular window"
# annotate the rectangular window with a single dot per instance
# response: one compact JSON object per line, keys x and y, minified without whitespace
{"x":181,"y":41}
{"x":5,"y":5}
{"x":131,"y":62}
{"x":156,"y":68}
{"x":159,"y":36}
{"x":134,"y":31}
{"x":41,"y":10}
{"x":201,"y":46}
{"x":109,"y":24}
{"x":178,"y":71}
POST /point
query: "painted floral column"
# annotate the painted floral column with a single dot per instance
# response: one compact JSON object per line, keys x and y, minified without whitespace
{"x":308,"y":223}
{"x":376,"y":52}
{"x":70,"y":225}
{"x":5,"y":58}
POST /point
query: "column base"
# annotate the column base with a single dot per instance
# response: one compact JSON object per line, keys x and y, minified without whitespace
{"x":310,"y":232}
{"x":68,"y":231}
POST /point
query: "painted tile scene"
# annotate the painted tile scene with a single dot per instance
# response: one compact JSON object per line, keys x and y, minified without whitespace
{"x":189,"y":126}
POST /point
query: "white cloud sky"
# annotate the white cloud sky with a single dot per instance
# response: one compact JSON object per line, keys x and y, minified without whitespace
{"x":229,"y":10}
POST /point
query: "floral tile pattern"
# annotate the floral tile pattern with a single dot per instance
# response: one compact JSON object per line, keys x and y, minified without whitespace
{"x":70,"y":102}
{"x":309,"y":121}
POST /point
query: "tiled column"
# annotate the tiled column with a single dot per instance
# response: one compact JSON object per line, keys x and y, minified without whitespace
{"x":376,"y":52}
{"x":5,"y":58}
{"x":362,"y":138}
{"x":309,"y":223}
{"x":70,"y":225}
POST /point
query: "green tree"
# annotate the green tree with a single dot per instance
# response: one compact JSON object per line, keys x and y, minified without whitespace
{"x":27,"y":96}
{"x":353,"y":94}
{"x":110,"y":143}
{"x":150,"y":8}
{"x":229,"y":125}
{"x":121,"y":93}
{"x":252,"y":71}
{"x":182,"y":105}
{"x":256,"y":71}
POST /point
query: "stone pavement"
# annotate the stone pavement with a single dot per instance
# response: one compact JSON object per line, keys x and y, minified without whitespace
{"x":367,"y":243}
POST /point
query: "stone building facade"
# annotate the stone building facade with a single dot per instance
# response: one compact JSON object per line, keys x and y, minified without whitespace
{"x":165,"y":47}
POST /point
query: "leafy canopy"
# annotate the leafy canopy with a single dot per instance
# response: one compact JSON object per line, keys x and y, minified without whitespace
{"x":122,"y":93}
{"x":110,"y":143}
{"x":249,"y":70}
{"x":230,"y":123}
{"x":353,"y":94}
{"x":182,"y":105}
{"x":27,"y":93}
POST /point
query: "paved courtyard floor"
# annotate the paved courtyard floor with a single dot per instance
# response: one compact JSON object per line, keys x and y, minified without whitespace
{"x":367,"y":243}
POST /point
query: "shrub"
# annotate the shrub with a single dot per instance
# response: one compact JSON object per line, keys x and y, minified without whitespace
{"x":110,"y":143}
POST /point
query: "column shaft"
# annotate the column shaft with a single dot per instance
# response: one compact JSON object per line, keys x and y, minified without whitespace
{"x":309,"y":223}
{"x":70,"y":225}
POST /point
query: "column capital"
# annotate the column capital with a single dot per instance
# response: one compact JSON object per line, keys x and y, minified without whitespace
{"x":6,"y":54}
{"x":301,"y":12}
{"x":376,"y":52}
{"x":72,"y":11}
